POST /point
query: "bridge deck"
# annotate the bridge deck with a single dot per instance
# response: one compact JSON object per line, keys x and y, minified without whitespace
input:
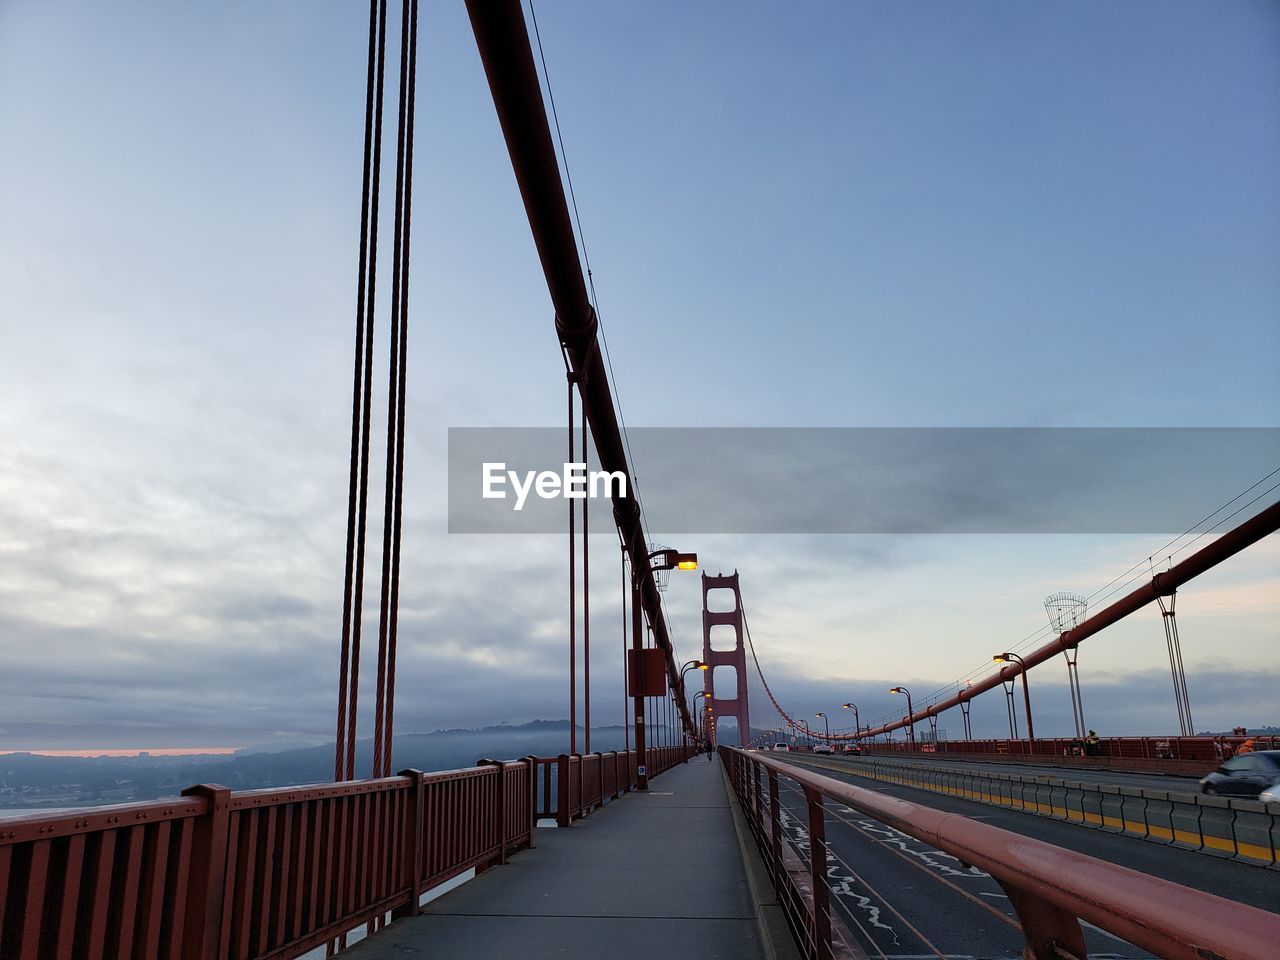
{"x":656,"y":874}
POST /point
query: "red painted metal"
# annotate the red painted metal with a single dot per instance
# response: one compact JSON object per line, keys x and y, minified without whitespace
{"x":1162,"y":584}
{"x":251,"y":875}
{"x":1051,"y":888}
{"x":646,"y":673}
{"x":736,"y":706}
{"x":503,"y":42}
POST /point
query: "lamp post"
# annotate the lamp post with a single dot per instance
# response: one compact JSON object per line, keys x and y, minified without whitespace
{"x":857,"y":723}
{"x":658,"y":561}
{"x":691,"y":665}
{"x":1026,"y":695}
{"x":911,"y":724}
{"x":826,"y":723}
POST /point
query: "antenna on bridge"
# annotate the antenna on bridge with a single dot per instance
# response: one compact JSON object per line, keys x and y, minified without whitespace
{"x":661,"y":573}
{"x":1066,"y":611}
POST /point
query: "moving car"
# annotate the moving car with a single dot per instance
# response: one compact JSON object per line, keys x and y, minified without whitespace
{"x":1246,"y":775}
{"x":823,"y":748}
{"x":782,"y":746}
{"x":1271,"y":794}
{"x":852,"y":748}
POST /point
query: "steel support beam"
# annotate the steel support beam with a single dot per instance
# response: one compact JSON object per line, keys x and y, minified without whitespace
{"x":1161,"y":585}
{"x":503,"y":41}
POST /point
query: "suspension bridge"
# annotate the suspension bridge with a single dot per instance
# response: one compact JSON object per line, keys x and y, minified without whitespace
{"x":678,"y":845}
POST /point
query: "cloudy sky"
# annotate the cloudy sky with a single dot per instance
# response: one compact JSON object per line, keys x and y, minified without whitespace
{"x":856,"y":215}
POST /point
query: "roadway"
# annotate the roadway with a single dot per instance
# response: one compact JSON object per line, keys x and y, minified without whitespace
{"x":1119,"y":778}
{"x":901,"y":898}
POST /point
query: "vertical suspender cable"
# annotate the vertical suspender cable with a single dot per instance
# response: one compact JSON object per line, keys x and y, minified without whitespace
{"x":586,"y":603}
{"x":404,"y":349}
{"x":348,"y":671}
{"x":626,"y":682}
{"x":393,"y":392}
{"x":393,"y":498}
{"x":363,"y":520}
{"x":573,"y":597}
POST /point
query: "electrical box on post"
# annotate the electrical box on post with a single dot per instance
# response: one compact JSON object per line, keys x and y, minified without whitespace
{"x":646,"y":673}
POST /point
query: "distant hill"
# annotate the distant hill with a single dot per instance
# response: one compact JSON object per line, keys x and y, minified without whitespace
{"x":30,"y":780}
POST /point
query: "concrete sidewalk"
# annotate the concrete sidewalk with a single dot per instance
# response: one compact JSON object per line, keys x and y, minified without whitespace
{"x":652,"y":874}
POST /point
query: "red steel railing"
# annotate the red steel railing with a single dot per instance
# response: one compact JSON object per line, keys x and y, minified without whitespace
{"x":271,"y":874}
{"x":1052,"y":889}
{"x":570,"y":786}
{"x":262,"y":874}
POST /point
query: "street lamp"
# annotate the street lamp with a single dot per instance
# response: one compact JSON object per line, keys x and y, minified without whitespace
{"x":1026,"y":696}
{"x":911,"y":724}
{"x":857,"y":724}
{"x":691,"y":665}
{"x":826,"y":723}
{"x":658,"y":560}
{"x":668,"y":559}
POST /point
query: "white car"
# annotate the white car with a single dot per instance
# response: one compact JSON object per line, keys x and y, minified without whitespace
{"x":824,"y":748}
{"x":782,"y":746}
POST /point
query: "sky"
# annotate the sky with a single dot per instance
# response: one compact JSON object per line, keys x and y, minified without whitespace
{"x":988,"y":214}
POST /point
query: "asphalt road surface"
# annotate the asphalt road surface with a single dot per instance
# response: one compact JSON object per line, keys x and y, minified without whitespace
{"x":899,"y":898}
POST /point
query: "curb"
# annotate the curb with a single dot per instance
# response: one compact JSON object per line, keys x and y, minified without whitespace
{"x":775,"y":935}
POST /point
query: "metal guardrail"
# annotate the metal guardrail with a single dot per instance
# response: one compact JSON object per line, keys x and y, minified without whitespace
{"x":1235,"y":827}
{"x":1178,"y":756}
{"x":570,"y":786}
{"x":272,"y":874}
{"x":1051,"y":889}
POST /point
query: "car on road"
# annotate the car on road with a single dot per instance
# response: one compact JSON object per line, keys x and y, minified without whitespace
{"x":782,"y":746}
{"x":1244,"y":775}
{"x":824,"y":748}
{"x":853,"y":749}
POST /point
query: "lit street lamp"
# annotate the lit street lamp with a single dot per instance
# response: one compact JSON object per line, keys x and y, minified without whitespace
{"x":1026,"y":696}
{"x":826,"y":723}
{"x":911,"y":724}
{"x":857,"y":723}
{"x":658,"y":560}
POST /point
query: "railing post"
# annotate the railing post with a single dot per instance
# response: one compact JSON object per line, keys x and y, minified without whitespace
{"x":563,"y":816}
{"x":411,"y":855}
{"x":818,"y":874}
{"x":775,"y":830}
{"x":203,"y":910}
{"x":499,"y":805}
{"x":1049,"y":931}
{"x":755,"y":784}
{"x":600,"y":778}
{"x":532,"y":761}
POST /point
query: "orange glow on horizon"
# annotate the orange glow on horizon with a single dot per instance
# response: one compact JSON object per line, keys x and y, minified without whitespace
{"x":129,"y":752}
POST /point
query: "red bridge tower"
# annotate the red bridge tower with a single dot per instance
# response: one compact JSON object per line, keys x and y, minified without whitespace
{"x":734,"y":656}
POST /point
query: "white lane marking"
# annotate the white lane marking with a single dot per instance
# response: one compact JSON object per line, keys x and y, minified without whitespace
{"x":841,"y":884}
{"x":891,"y":837}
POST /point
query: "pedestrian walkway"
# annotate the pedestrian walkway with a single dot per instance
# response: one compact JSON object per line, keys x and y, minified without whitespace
{"x":656,"y":874}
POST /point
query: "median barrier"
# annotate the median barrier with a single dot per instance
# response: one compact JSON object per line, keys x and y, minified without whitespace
{"x":1245,"y":830}
{"x":1185,"y":818}
{"x":1217,"y":826}
{"x":1133,"y":811}
{"x":1253,"y":832}
{"x":1159,"y":815}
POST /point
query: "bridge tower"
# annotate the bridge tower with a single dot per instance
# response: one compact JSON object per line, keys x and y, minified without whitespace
{"x":734,"y":656}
